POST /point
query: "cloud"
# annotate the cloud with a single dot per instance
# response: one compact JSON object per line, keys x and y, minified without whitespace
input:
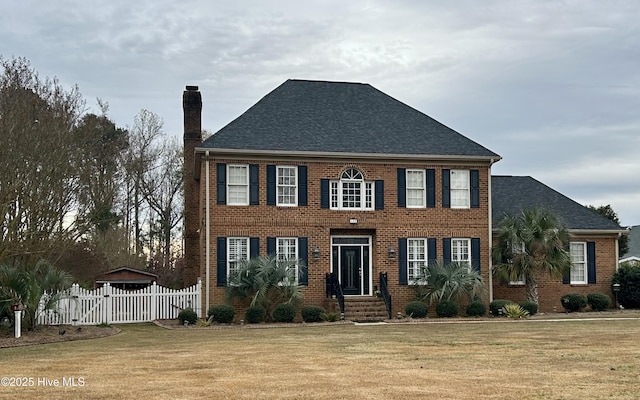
{"x":551,"y":86}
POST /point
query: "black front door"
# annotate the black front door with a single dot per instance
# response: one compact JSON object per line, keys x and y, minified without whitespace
{"x":351,"y":269}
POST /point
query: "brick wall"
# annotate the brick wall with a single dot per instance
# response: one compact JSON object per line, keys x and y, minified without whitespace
{"x":551,"y":289}
{"x":319,"y":224}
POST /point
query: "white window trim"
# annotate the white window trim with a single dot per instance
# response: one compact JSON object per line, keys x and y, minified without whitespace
{"x":423,"y":189}
{"x":239,"y":260}
{"x":295,"y":187}
{"x":246,"y":185}
{"x":468,"y":189}
{"x":425,"y":243}
{"x":367,"y":196}
{"x":584,"y":265}
{"x":295,"y":256}
{"x":468,"y":261}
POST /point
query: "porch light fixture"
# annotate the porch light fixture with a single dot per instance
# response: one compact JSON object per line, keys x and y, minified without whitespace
{"x":392,"y":252}
{"x":316,"y":253}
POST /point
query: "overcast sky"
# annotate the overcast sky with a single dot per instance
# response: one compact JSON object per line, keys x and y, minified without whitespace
{"x":551,"y":86}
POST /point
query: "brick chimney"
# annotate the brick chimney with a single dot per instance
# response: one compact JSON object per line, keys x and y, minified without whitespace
{"x":192,"y":108}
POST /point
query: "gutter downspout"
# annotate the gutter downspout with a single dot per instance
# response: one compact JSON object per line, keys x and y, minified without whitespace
{"x":618,"y":251}
{"x":490,"y":236}
{"x":208,"y":231}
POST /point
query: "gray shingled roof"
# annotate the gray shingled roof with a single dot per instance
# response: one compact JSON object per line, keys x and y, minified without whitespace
{"x":319,"y":116}
{"x":634,"y":242}
{"x":512,"y":194}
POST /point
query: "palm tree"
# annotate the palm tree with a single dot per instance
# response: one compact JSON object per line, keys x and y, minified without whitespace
{"x":267,"y":281}
{"x":529,"y":244}
{"x":439,"y":281}
{"x":26,"y":287}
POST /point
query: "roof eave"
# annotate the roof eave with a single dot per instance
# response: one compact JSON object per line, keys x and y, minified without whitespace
{"x":597,"y":231}
{"x":218,"y":152}
{"x":587,"y":232}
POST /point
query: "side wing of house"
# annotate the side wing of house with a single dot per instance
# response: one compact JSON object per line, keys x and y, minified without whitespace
{"x":593,"y":241}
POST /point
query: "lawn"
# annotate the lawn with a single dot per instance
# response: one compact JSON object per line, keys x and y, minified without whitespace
{"x":498,"y":360}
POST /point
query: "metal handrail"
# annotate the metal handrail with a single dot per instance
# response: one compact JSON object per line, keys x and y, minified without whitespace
{"x":333,"y":288}
{"x":384,"y":291}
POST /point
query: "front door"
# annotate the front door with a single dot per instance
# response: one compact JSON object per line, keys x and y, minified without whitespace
{"x":351,"y":262}
{"x":351,"y":269}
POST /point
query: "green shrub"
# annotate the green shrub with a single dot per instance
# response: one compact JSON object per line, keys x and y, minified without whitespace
{"x":416,"y":309}
{"x":598,"y":301}
{"x":447,"y":309}
{"x":187,"y":315}
{"x":222,"y":313}
{"x":312,"y":313}
{"x":496,"y":306}
{"x":331,"y":316}
{"x":284,"y":312}
{"x":514,"y":311}
{"x":530,"y":306}
{"x":476,"y":309}
{"x":573,"y":302}
{"x":255,"y":314}
{"x":628,"y":276}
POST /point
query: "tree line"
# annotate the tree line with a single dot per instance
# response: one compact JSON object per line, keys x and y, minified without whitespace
{"x":80,"y":192}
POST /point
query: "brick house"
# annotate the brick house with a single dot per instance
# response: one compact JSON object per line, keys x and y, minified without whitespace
{"x":352,"y":182}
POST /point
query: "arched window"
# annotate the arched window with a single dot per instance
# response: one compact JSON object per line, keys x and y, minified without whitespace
{"x":352,"y":192}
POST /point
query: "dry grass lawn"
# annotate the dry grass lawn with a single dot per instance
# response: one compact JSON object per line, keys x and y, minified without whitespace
{"x":498,"y":360}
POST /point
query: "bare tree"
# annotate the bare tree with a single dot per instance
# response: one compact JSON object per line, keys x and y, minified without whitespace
{"x":162,"y":189}
{"x":143,"y":151}
{"x":39,"y":181}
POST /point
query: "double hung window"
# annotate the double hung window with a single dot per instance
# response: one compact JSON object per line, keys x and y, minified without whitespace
{"x":461,"y":251}
{"x":287,"y":179}
{"x":287,"y":251}
{"x":578,"y":254}
{"x":416,"y":259}
{"x":460,"y":193}
{"x":238,"y":185}
{"x":416,"y":188}
{"x":237,"y":252}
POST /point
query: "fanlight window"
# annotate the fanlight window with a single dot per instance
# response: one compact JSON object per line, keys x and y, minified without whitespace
{"x":352,"y":192}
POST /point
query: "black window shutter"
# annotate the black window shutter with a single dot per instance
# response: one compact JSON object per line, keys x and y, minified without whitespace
{"x":271,"y":246}
{"x":271,"y":185}
{"x":379,"y":195}
{"x":254,"y":247}
{"x":446,"y":250}
{"x":302,"y":185}
{"x":432,"y":253}
{"x":475,"y":254}
{"x":303,"y":255}
{"x":446,"y":188}
{"x":591,"y":262}
{"x":254,"y":184}
{"x":474,"y":176}
{"x":221,"y":183}
{"x":402,"y":187}
{"x":431,"y":188}
{"x":221,"y":278}
{"x":402,"y":261}
{"x":324,"y":193}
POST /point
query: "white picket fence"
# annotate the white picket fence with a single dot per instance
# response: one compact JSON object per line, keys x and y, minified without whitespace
{"x":110,"y":305}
